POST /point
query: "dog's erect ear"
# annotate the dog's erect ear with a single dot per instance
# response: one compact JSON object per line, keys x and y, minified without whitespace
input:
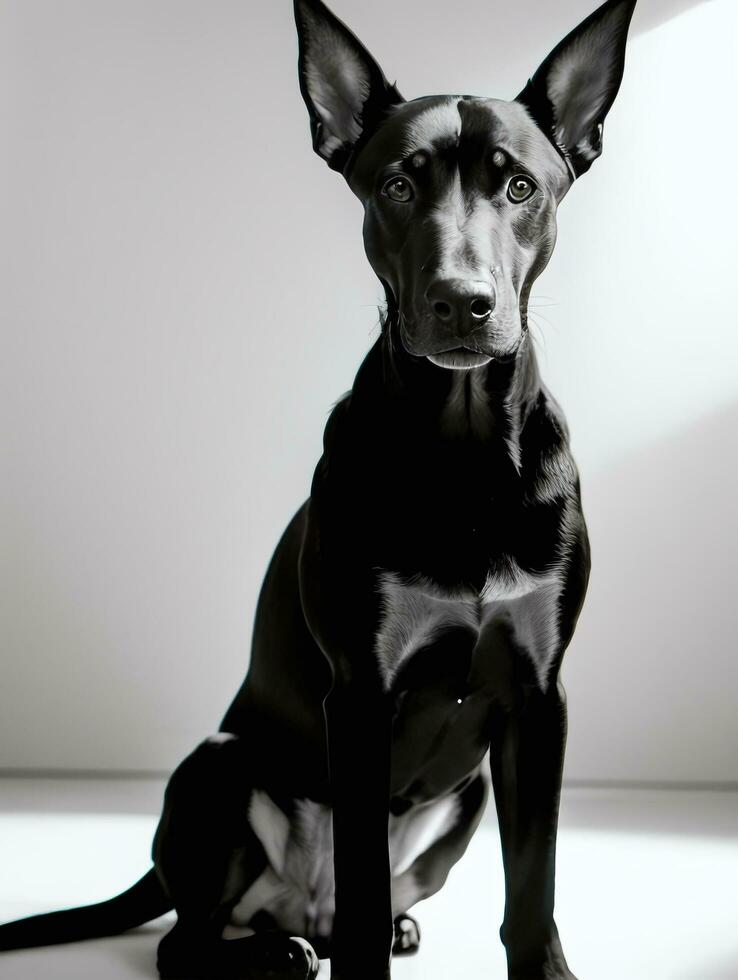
{"x":343,"y":86}
{"x":575,"y":87}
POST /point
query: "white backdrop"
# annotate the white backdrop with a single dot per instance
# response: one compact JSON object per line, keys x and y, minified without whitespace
{"x":185,"y":294}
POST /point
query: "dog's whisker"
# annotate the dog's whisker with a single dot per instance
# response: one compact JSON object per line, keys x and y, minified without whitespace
{"x":540,"y":316}
{"x":538,"y":335}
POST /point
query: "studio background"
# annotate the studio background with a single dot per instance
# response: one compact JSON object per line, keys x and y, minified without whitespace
{"x":185,"y":295}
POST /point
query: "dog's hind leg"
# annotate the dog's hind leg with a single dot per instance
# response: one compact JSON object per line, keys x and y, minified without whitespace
{"x":206,"y":855}
{"x":428,"y":872}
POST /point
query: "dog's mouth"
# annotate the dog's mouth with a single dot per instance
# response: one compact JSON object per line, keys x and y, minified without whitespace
{"x":459,"y":359}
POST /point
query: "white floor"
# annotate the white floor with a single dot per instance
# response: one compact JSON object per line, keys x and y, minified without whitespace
{"x":647,"y":883}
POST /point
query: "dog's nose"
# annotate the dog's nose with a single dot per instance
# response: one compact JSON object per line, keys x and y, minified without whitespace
{"x":461,"y":304}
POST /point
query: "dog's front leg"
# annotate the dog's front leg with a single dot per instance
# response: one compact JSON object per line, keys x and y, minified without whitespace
{"x":359,"y":727}
{"x":341,"y":607}
{"x":527,"y":753}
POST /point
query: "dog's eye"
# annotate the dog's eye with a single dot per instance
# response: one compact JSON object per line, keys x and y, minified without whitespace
{"x":398,"y":189}
{"x":520,"y":189}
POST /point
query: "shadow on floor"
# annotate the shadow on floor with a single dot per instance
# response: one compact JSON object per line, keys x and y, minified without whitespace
{"x":136,"y":951}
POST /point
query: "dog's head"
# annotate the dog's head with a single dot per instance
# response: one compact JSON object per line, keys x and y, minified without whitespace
{"x":460,"y":193}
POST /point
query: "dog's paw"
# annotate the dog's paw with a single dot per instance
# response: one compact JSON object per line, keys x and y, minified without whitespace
{"x":546,"y":962}
{"x":555,"y":968}
{"x":407,"y":936}
{"x":264,"y":956}
{"x":307,"y":960}
{"x":270,"y":956}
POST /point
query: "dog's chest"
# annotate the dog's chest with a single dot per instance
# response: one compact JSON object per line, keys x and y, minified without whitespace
{"x":417,"y":614}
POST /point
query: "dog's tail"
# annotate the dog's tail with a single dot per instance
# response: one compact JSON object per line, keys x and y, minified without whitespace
{"x":142,"y":902}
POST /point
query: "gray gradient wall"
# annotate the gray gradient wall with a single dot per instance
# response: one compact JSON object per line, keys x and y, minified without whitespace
{"x":184,"y":295}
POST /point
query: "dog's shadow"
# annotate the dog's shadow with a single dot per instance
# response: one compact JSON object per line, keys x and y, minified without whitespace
{"x":136,"y":951}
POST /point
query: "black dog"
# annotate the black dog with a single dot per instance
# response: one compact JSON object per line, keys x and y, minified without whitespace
{"x":417,"y":609}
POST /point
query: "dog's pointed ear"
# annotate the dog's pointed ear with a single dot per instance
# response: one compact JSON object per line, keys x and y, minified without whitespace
{"x":344,"y":88}
{"x":575,"y":87}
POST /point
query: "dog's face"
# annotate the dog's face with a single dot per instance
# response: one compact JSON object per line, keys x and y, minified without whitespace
{"x":460,"y":193}
{"x":460,"y":200}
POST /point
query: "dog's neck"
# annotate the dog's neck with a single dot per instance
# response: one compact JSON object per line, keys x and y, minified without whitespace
{"x":481,"y":406}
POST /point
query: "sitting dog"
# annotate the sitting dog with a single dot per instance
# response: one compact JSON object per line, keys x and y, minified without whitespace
{"x":416,"y":611}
